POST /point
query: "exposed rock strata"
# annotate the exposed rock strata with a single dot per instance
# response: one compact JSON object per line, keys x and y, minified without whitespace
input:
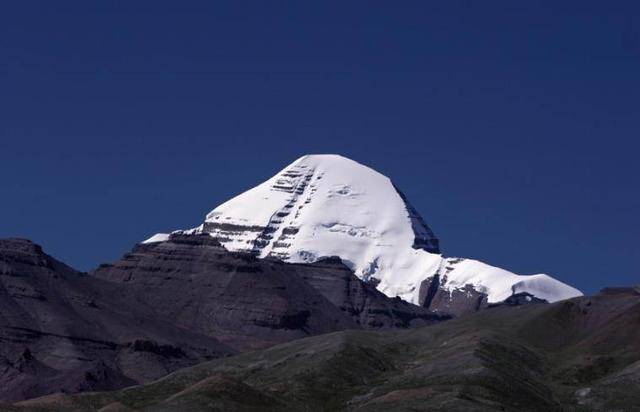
{"x":165,"y":306}
{"x":248,"y":302}
{"x":61,"y":330}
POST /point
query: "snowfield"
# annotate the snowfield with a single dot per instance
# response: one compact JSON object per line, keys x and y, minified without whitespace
{"x":328,"y":205}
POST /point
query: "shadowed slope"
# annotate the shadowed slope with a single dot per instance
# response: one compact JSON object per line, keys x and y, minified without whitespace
{"x":164,"y":307}
{"x":248,"y":302}
{"x":62,"y":330}
{"x":571,"y":355}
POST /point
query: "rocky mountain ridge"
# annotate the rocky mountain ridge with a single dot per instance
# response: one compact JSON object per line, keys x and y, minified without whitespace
{"x":165,"y":306}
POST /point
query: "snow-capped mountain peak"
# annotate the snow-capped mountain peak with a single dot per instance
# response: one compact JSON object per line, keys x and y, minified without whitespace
{"x":319,"y":199}
{"x":328,"y":205}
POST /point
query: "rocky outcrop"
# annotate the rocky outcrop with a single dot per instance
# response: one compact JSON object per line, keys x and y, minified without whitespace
{"x":370,"y":308}
{"x":518,"y":299}
{"x":455,"y":302}
{"x":464,"y":300}
{"x":424,"y":237}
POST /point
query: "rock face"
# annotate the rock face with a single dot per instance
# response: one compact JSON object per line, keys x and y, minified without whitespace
{"x":457,"y":302}
{"x":61,"y":330}
{"x":327,"y":205}
{"x":251,"y":303}
{"x":165,"y":306}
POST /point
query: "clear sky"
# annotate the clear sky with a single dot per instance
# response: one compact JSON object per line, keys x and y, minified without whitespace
{"x":512,"y":127}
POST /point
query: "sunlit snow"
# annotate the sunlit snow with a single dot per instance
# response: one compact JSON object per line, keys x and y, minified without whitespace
{"x":328,"y":205}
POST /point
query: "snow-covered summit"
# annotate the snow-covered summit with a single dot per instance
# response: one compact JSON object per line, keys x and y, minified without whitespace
{"x":328,"y":205}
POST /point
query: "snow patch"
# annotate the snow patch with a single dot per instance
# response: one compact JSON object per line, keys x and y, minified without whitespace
{"x":158,"y":237}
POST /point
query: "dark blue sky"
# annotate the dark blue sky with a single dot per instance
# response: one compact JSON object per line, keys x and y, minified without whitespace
{"x":513,"y":129}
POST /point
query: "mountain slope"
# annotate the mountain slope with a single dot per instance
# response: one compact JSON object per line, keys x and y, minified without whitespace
{"x":248,"y":302}
{"x":327,"y":205}
{"x":165,"y":306}
{"x":62,"y":330}
{"x":580,"y":354}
